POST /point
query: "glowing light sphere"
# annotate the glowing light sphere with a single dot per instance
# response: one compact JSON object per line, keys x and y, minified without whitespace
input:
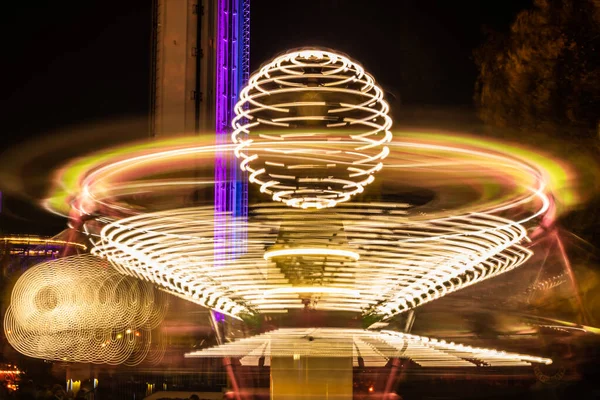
{"x":311,"y":128}
{"x":79,"y":309}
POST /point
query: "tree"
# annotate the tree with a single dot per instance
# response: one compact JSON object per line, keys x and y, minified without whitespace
{"x":545,"y":73}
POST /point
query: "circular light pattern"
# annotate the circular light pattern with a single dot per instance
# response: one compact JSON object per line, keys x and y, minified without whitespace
{"x":326,"y":124}
{"x":374,"y":348}
{"x":470,"y":225}
{"x":399,"y":264}
{"x":79,"y":309}
{"x":461,"y":180}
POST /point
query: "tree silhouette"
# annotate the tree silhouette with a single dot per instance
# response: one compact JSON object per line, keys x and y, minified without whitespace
{"x":545,"y":73}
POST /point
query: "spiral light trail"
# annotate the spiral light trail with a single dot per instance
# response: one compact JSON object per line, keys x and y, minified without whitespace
{"x":303,"y":102}
{"x":78,"y":309}
{"x":399,"y":264}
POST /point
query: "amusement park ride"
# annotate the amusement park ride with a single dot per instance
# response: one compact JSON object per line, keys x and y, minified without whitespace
{"x":305,"y":227}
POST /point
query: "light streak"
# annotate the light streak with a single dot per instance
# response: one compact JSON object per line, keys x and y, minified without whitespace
{"x":78,"y":309}
{"x":430,"y":151}
{"x":311,"y":251}
{"x":350,"y":108}
{"x":40,"y":241}
{"x":375,"y":349}
{"x":311,"y":289}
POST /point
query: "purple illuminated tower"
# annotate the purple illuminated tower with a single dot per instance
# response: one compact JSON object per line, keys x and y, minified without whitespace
{"x":200,"y":62}
{"x":233,"y":67}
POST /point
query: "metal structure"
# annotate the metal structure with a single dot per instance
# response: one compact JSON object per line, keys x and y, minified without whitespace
{"x":200,"y":62}
{"x":176,"y":61}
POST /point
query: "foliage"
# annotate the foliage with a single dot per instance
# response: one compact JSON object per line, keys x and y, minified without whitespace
{"x":545,"y":72}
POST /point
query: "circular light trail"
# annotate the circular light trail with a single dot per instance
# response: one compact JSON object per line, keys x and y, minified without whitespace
{"x":473,"y":227}
{"x":102,"y":185}
{"x":291,"y":113}
{"x":36,"y":240}
{"x":78,"y":309}
{"x":401,"y":264}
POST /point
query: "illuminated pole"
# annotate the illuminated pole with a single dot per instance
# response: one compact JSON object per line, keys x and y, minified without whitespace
{"x":233,"y":67}
{"x":231,"y":184}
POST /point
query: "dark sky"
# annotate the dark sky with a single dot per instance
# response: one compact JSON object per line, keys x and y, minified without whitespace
{"x":65,"y":65}
{"x":419,"y":49}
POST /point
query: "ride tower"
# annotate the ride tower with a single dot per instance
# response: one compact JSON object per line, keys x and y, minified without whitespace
{"x":232,"y":72}
{"x":200,"y":62}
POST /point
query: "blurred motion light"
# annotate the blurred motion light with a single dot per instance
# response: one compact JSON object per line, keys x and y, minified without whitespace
{"x":313,"y":251}
{"x":77,"y":308}
{"x":385,"y":265}
{"x":374,"y":348}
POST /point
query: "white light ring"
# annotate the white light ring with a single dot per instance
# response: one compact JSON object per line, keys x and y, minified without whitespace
{"x":311,"y":251}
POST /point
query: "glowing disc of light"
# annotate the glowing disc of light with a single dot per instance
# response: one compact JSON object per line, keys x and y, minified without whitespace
{"x":326,"y":122}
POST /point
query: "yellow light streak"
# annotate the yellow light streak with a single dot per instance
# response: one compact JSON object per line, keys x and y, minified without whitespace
{"x":311,"y":251}
{"x":40,"y":241}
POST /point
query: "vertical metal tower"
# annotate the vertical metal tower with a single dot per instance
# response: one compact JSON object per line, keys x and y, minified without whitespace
{"x":176,"y":58}
{"x":200,"y":62}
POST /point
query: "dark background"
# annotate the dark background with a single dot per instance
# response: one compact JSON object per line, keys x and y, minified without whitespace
{"x":68,"y":63}
{"x":71,"y":63}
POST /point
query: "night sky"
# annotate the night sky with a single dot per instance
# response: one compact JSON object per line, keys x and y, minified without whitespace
{"x":68,"y":65}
